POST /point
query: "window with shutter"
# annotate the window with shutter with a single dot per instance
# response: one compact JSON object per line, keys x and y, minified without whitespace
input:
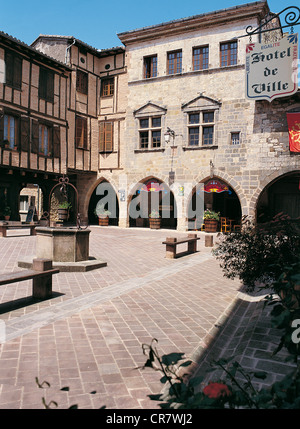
{"x":10,"y":131}
{"x":13,"y":72}
{"x":82,"y":82}
{"x":46,"y":85}
{"x":35,"y":137}
{"x":81,"y":132}
{"x":56,"y":142}
{"x":24,"y":134}
{"x":106,"y":137}
{"x":107,"y":87}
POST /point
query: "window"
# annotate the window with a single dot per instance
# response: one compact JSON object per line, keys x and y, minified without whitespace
{"x":150,"y":133}
{"x":82,"y":82}
{"x":81,"y":132}
{"x":10,"y":131}
{"x":200,"y":58}
{"x":13,"y":73}
{"x":46,"y":85}
{"x":107,"y":87}
{"x":24,"y":203}
{"x":150,"y":66}
{"x":228,"y":54}
{"x":106,"y":137}
{"x":174,"y":62}
{"x":201,"y":128}
{"x":235,"y":138}
{"x":45,"y":140}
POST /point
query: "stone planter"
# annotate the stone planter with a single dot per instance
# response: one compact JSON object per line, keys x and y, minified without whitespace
{"x":154,"y":223}
{"x":210,"y":225}
{"x":103,"y":220}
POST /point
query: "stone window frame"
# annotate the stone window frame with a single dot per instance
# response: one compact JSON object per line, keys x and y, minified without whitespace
{"x":200,"y":58}
{"x":150,"y":69}
{"x":149,"y":130}
{"x":201,"y":125}
{"x":174,"y":62}
{"x":231,"y":138}
{"x":228,"y":52}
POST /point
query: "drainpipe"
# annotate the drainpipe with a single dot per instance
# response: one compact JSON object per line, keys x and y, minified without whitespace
{"x":68,"y":49}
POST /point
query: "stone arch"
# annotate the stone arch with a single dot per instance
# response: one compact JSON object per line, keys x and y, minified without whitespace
{"x":90,"y":197}
{"x":267,"y":182}
{"x":132,"y":193}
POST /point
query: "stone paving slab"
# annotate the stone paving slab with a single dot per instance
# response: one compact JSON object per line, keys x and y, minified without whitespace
{"x":89,"y":336}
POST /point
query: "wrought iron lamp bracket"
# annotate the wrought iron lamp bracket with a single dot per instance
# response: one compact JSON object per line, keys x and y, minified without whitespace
{"x":291,"y":18}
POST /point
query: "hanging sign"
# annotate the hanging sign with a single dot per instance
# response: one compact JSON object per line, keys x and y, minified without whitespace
{"x":271,"y":69}
{"x":293,"y":120}
{"x":216,"y":186}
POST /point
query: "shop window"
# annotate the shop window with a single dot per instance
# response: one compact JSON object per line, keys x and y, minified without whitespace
{"x":201,"y":128}
{"x":107,"y":87}
{"x":200,"y":58}
{"x":150,"y":132}
{"x":81,"y":132}
{"x":46,"y":85}
{"x":228,"y":53}
{"x":13,"y":72}
{"x":150,"y":66}
{"x":174,"y":63}
{"x":106,"y":137}
{"x":82,"y":82}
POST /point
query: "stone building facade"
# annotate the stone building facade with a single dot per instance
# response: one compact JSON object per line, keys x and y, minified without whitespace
{"x":184,"y":79}
{"x":189,"y":75}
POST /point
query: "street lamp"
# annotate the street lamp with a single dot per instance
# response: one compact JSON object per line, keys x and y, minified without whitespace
{"x":169,"y":133}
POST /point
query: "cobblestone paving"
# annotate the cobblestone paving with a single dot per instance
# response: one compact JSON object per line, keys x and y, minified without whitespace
{"x":89,"y":336}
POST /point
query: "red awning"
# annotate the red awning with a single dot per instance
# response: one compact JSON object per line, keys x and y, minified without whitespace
{"x":293,"y":120}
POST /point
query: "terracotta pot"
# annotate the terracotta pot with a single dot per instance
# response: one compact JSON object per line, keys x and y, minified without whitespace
{"x":154,"y":223}
{"x":210,"y":225}
{"x":103,"y":221}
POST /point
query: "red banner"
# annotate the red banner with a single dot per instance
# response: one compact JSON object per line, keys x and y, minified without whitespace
{"x":293,"y":120}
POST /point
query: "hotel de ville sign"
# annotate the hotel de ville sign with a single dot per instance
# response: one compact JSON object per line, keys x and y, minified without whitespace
{"x":271,"y":69}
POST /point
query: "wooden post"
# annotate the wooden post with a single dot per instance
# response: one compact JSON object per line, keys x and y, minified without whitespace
{"x":209,"y":241}
{"x":192,"y":246}
{"x":42,"y":286}
{"x":170,"y":249}
{"x":2,"y":231}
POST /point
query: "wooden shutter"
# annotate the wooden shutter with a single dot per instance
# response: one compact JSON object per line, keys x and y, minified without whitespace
{"x":9,"y":61}
{"x":101,"y":137}
{"x":56,"y":142}
{"x":18,"y":72}
{"x":50,"y":86}
{"x":24,"y":125}
{"x":1,"y":128}
{"x":108,"y":136}
{"x":81,"y":132}
{"x":35,"y":137}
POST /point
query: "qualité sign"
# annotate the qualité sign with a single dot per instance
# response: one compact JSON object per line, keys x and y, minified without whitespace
{"x":271,"y":69}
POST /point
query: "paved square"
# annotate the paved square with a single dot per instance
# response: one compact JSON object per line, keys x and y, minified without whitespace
{"x":89,"y":336}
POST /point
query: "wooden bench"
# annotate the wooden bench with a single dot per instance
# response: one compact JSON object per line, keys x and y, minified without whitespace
{"x":172,"y":243}
{"x":41,"y":275}
{"x":4,"y":226}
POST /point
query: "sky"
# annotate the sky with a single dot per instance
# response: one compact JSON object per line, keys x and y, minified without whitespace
{"x":97,"y":22}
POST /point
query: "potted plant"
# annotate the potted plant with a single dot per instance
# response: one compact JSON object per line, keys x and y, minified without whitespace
{"x":154,"y":219}
{"x":7,"y":213}
{"x":63,"y":210}
{"x":211,"y":220}
{"x":103,"y":215}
